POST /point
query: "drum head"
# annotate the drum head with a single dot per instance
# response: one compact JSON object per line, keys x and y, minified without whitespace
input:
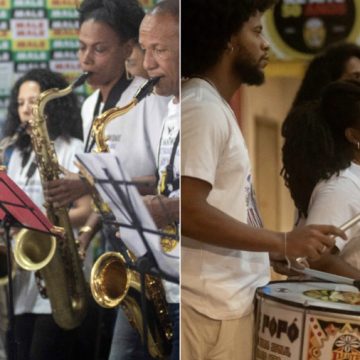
{"x":315,"y":295}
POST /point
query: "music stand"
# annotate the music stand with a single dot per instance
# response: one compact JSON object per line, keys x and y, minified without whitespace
{"x":119,"y":192}
{"x":17,"y":210}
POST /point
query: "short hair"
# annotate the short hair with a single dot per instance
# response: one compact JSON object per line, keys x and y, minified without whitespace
{"x":327,"y":66}
{"x":123,"y":16}
{"x":166,"y":7}
{"x":63,"y":114}
{"x":206,"y":28}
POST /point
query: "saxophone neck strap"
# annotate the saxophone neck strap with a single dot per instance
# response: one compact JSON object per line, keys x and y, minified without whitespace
{"x":168,"y":182}
{"x":174,"y":148}
{"x":113,"y":98}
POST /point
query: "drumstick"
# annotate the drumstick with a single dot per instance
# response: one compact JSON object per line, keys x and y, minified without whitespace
{"x":345,"y":226}
{"x":329,"y":277}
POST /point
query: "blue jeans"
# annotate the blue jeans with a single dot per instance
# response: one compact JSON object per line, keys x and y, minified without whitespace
{"x":126,"y":343}
{"x":174,"y":316}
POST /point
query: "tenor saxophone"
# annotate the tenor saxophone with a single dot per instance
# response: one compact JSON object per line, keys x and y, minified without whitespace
{"x":112,"y":283}
{"x":62,"y":270}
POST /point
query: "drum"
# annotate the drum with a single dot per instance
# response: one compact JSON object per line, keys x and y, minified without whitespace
{"x":307,"y":321}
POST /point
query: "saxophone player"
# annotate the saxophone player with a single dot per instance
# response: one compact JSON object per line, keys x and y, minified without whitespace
{"x":36,"y":334}
{"x":108,"y":31}
{"x":159,"y":39}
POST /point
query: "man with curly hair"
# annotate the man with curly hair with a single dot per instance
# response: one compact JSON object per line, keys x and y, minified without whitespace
{"x":224,"y":249}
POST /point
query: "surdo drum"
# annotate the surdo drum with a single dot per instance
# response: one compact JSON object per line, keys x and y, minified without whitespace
{"x":307,"y":321}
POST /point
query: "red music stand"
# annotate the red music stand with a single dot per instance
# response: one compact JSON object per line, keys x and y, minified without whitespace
{"x":17,"y":210}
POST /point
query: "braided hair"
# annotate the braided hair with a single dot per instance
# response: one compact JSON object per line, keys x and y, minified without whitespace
{"x":315,"y":146}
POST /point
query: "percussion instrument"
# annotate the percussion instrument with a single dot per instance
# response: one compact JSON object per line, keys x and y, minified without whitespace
{"x":307,"y":321}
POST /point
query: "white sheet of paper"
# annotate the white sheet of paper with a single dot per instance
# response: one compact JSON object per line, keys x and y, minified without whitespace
{"x":128,"y":207}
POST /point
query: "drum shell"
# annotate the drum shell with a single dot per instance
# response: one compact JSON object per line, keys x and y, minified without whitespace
{"x":290,"y":325}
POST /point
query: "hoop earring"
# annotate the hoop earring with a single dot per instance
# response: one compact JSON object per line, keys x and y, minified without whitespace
{"x":128,"y":75}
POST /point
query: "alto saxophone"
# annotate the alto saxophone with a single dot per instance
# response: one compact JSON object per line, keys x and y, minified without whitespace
{"x":60,"y":265}
{"x":98,"y":129}
{"x":112,"y":283}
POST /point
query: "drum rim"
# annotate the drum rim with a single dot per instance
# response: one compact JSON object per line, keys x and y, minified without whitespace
{"x":302,"y":306}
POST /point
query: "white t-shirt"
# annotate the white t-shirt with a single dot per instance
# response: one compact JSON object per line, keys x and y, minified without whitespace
{"x":169,"y":132}
{"x":218,"y":282}
{"x":26,"y":294}
{"x":134,"y":136}
{"x":334,"y":202}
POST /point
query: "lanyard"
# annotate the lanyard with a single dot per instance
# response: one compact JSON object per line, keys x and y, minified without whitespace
{"x":114,"y":96}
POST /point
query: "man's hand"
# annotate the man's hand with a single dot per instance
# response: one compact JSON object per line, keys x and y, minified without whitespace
{"x":64,"y":191}
{"x":311,"y":241}
{"x":163,"y":210}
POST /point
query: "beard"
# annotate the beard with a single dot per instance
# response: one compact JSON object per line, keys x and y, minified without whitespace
{"x":248,"y":71}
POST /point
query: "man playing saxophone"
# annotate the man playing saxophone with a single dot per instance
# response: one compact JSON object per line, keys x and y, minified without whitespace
{"x":36,"y":334}
{"x":159,"y":39}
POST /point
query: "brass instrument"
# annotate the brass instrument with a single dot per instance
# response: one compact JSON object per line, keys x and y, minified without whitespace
{"x":113,"y":284}
{"x":57,"y":258}
{"x":98,"y":129}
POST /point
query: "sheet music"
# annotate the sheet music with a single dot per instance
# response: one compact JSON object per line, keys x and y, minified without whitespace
{"x":104,"y":166}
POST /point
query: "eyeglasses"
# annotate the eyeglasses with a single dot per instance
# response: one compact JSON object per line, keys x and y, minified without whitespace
{"x":159,"y":52}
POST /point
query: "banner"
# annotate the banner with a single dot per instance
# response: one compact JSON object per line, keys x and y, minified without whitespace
{"x":39,"y":34}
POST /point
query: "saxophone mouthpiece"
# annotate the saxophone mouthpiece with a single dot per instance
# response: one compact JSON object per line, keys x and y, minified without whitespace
{"x":147,"y":88}
{"x":80,"y":80}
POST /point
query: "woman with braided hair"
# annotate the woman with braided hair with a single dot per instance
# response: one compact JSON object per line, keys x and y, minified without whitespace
{"x":338,"y":61}
{"x":321,"y":157}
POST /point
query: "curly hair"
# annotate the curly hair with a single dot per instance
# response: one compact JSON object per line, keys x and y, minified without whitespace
{"x":324,"y":68}
{"x":315,"y":147}
{"x":123,"y":16}
{"x":206,"y":28}
{"x":63,"y":114}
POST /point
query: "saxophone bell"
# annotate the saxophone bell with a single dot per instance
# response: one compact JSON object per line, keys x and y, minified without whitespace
{"x":110,"y":280}
{"x":33,"y":249}
{"x":113,"y":283}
